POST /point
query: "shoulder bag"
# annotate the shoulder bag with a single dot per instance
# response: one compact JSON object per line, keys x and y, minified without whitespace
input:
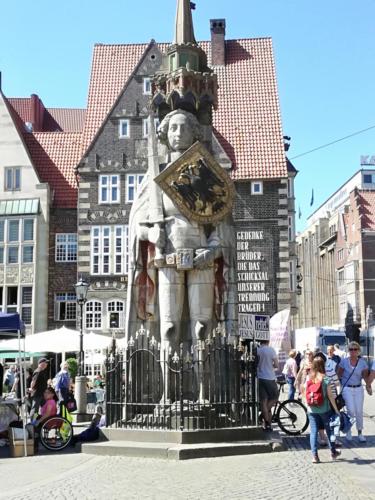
{"x":339,"y":399}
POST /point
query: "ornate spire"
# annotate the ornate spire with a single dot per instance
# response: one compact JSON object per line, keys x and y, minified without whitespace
{"x":184,"y":24}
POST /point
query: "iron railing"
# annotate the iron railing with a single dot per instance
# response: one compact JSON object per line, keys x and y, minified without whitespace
{"x":211,"y":386}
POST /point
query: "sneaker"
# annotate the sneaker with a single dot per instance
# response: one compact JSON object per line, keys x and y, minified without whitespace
{"x":335,"y":454}
{"x":316,"y":460}
{"x":362,"y":438}
{"x":348,"y":436}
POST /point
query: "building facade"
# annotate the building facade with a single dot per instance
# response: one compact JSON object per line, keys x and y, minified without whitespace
{"x":335,"y":258}
{"x":116,"y":160}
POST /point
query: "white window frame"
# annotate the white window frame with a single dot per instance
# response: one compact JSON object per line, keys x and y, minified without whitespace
{"x":122,"y":122}
{"x":68,"y":241}
{"x":109,"y":250}
{"x":15,"y":183}
{"x":253,"y":187}
{"x":147,"y":86}
{"x":68,"y":299}
{"x":116,"y":306}
{"x":138,"y":178}
{"x":109,"y":185}
{"x":93,"y":310}
{"x":145,"y":126}
{"x":341,"y":277}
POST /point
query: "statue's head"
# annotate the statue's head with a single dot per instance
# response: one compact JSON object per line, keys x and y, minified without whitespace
{"x":179,"y":130}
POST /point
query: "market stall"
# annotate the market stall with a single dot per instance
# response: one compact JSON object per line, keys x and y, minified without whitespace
{"x":12,"y":327}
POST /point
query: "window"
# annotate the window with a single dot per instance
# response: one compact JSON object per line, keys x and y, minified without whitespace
{"x":12,"y":299}
{"x":340,"y":254}
{"x":66,"y":247}
{"x":109,"y":250}
{"x":109,"y":189}
{"x":332,"y":230}
{"x":121,"y":250}
{"x":147,"y":88}
{"x":145,"y":122}
{"x":341,"y":277}
{"x":93,"y":314}
{"x":12,"y":255}
{"x":292,"y":276}
{"x":291,"y":235}
{"x":367,"y":178}
{"x":26,"y":309}
{"x":257,"y":187}
{"x":124,"y":128}
{"x":12,"y":179}
{"x":16,"y":241}
{"x":116,"y":316}
{"x":290,"y":187}
{"x":27,"y":254}
{"x":133,"y":182}
{"x":65,"y":306}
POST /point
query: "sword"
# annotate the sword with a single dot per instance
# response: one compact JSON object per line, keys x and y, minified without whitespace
{"x":156,"y":217}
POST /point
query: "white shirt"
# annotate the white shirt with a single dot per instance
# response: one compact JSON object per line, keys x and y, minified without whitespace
{"x":266,"y":357}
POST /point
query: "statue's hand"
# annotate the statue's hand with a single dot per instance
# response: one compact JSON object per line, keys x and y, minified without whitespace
{"x":156,"y":235}
{"x":204,"y":258}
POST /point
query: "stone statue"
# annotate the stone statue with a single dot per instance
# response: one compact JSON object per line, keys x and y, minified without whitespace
{"x":181,"y":273}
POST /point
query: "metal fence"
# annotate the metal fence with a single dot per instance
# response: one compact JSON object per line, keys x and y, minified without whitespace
{"x":211,"y":386}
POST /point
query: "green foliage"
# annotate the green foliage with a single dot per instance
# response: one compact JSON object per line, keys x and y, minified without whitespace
{"x":72,"y":367}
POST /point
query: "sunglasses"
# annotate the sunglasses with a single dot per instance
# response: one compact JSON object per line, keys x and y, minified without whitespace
{"x":353,"y":349}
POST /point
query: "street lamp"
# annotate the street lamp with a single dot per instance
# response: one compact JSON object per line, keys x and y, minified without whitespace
{"x":81,"y":294}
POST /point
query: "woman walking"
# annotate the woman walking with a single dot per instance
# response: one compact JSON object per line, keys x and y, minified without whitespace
{"x":351,"y":371}
{"x":319,"y":396}
{"x":290,"y":372}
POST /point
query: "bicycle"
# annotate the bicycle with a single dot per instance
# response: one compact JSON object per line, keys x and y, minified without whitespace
{"x":290,"y":415}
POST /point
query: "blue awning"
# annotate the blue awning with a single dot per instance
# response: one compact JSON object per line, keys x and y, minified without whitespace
{"x":10,"y":325}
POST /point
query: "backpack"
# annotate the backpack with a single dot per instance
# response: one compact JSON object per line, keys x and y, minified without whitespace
{"x":70,"y":402}
{"x":314,"y":393}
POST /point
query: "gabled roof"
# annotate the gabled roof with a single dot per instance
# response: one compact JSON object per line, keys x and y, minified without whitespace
{"x":247,"y":123}
{"x":55,"y":156}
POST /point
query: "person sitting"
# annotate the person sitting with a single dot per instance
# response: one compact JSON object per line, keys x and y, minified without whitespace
{"x":49,"y":408}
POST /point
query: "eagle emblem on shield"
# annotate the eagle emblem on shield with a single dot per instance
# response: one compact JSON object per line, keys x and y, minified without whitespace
{"x":198,"y":186}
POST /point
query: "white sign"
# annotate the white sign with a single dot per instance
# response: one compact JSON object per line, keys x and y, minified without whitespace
{"x":368,"y":160}
{"x":254,"y":326}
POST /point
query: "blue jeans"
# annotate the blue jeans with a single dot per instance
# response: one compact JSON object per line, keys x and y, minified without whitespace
{"x":318,"y":421}
{"x":292,"y":389}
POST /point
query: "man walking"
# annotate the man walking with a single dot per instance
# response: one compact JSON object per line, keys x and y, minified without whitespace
{"x":38,"y":386}
{"x":268,"y":393}
{"x":62,"y":383}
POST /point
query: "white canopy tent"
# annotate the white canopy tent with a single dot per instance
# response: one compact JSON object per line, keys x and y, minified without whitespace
{"x":60,"y":340}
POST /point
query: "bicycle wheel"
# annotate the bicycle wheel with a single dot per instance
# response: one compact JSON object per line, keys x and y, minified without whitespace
{"x":56,"y":433}
{"x":291,"y":417}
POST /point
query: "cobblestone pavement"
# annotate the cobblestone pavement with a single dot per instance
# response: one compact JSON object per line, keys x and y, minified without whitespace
{"x":289,"y":475}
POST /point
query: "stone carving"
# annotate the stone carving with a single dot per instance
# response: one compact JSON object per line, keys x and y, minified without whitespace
{"x":181,"y":277}
{"x":111,"y":215}
{"x":27,"y":274}
{"x":12,"y":274}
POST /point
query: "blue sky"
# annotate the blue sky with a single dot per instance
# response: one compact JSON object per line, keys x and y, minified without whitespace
{"x":324,"y":57}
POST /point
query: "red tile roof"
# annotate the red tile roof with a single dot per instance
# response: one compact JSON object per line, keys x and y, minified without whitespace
{"x":55,"y":156}
{"x":366,"y":204}
{"x":69,"y":120}
{"x":247,"y":123}
{"x":50,"y":119}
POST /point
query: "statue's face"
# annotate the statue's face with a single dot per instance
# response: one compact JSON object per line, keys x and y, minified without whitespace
{"x":180,"y":133}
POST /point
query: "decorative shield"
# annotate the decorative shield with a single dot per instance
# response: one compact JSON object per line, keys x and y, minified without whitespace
{"x":198,"y":186}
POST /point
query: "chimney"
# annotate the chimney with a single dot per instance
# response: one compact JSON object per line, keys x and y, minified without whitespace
{"x":217,"y":42}
{"x":37,"y":111}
